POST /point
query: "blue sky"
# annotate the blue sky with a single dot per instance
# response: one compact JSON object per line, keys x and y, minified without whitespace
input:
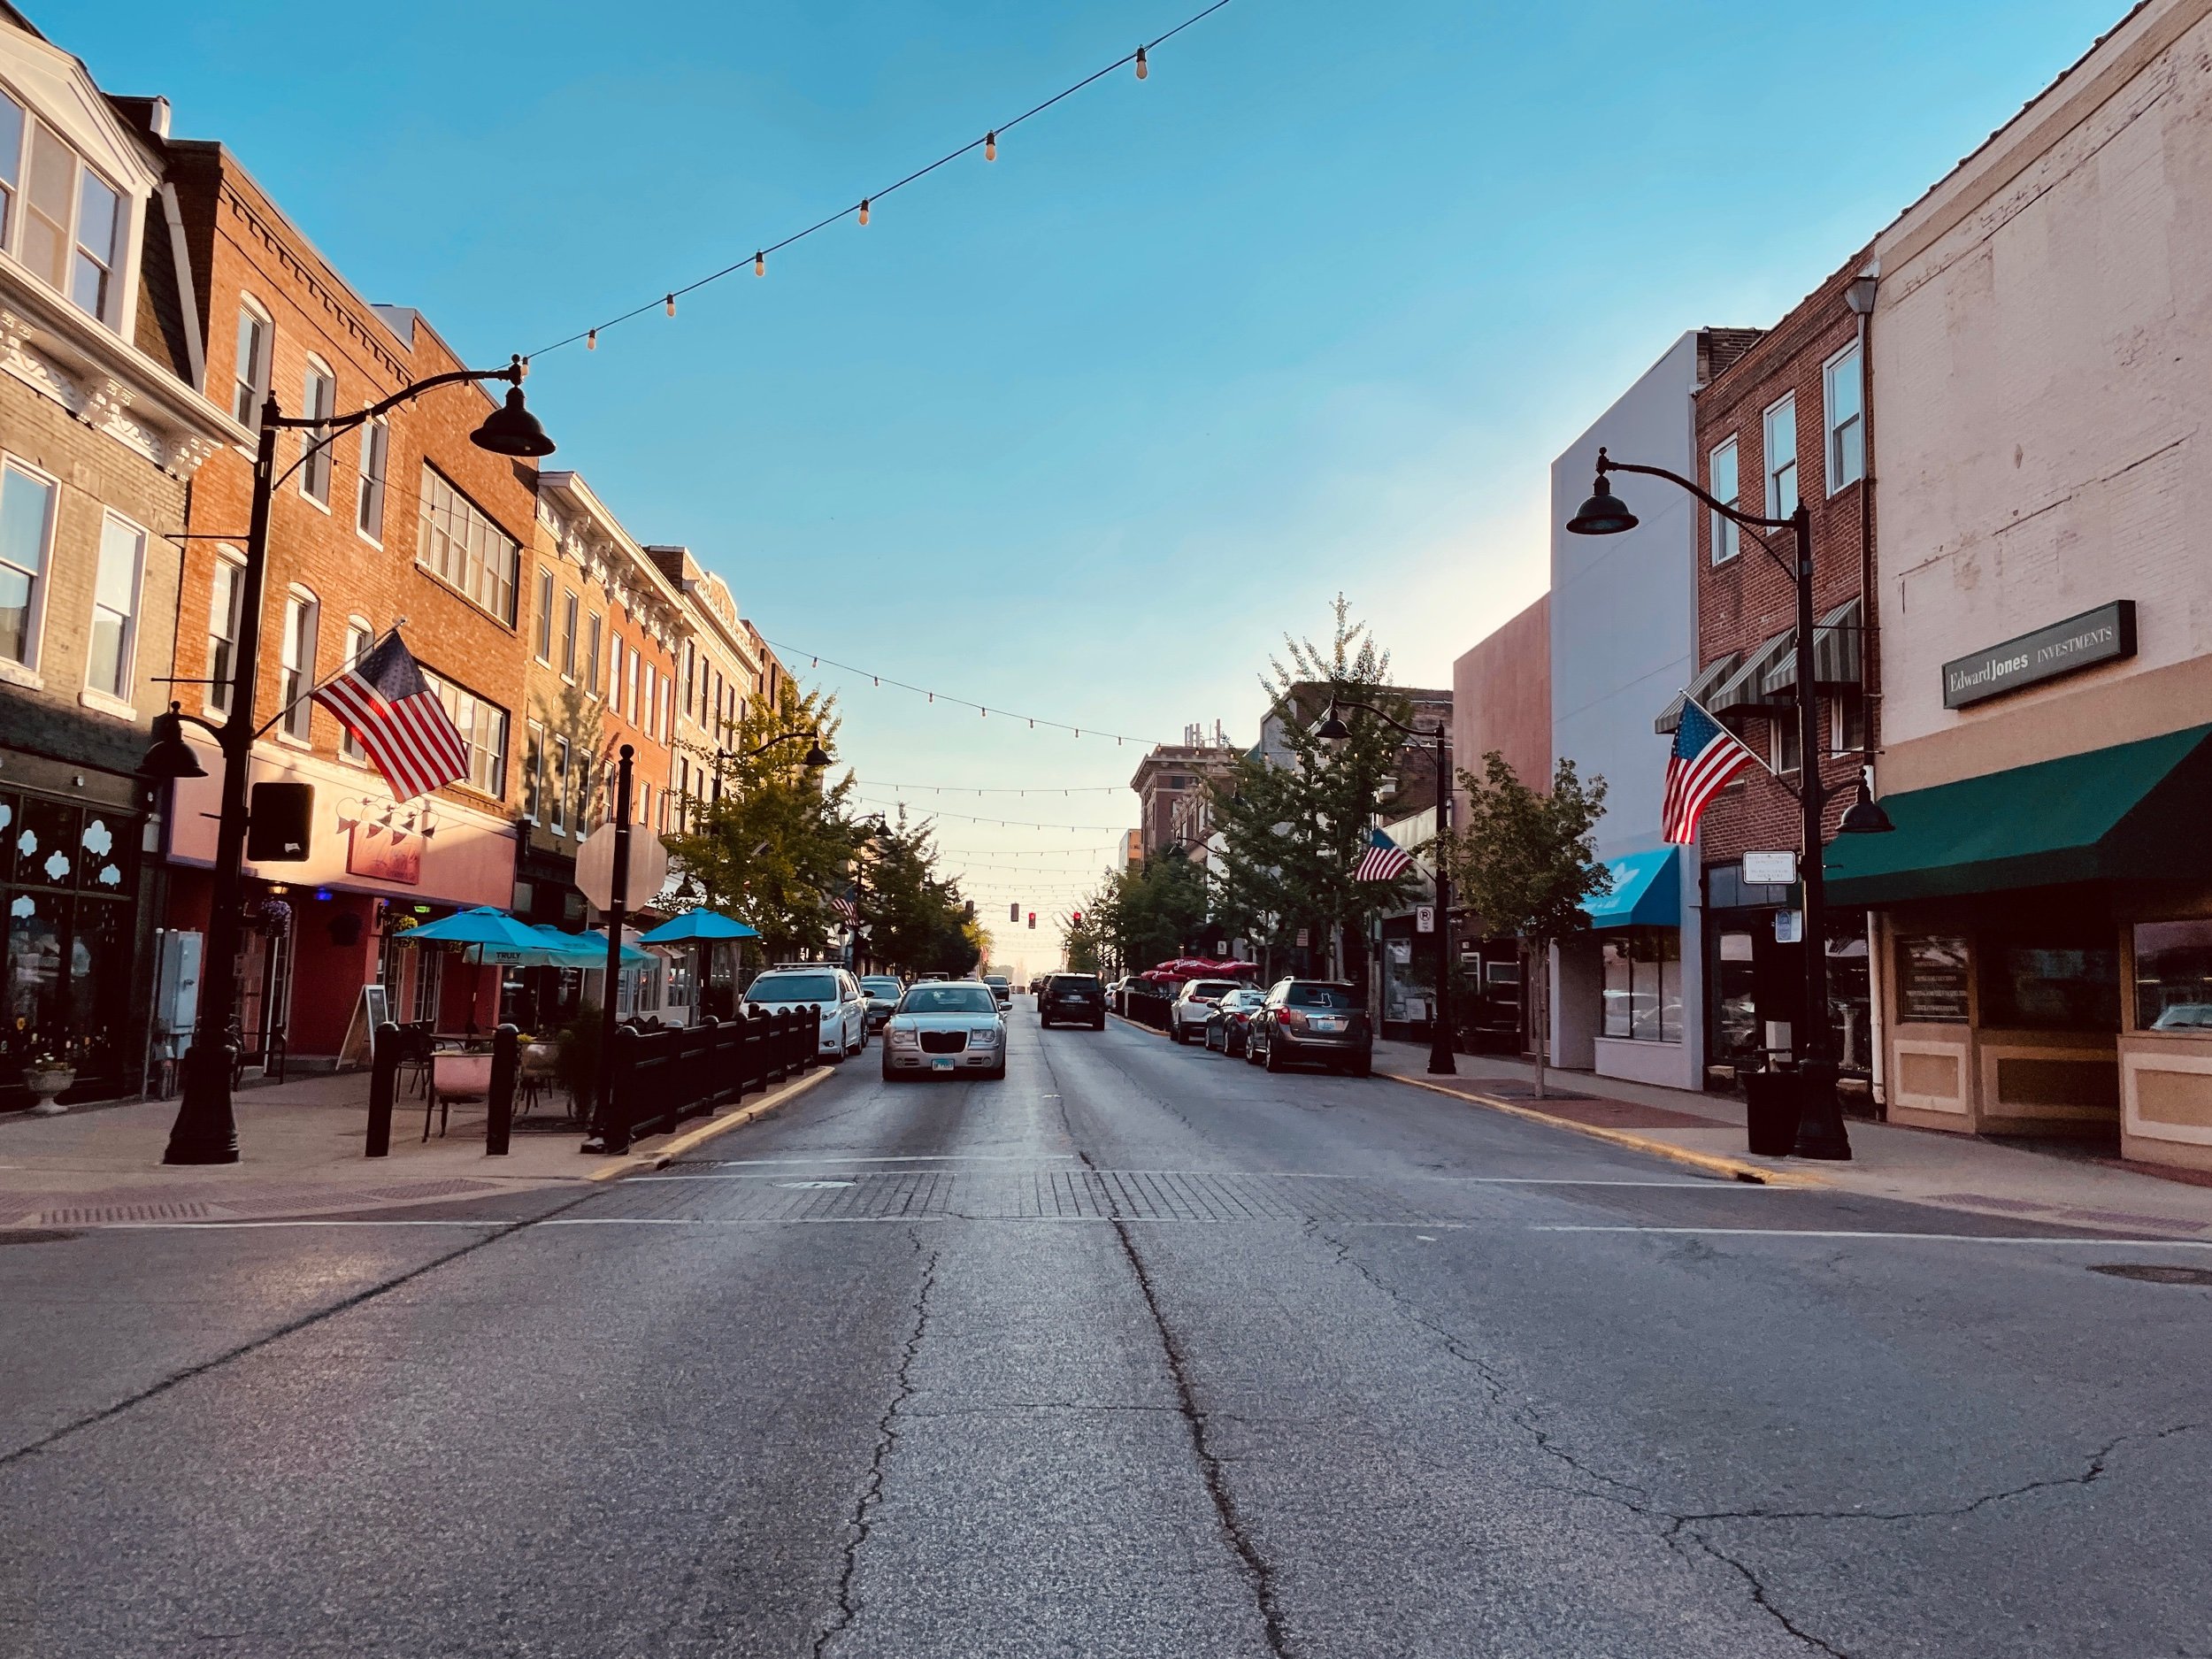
{"x":1082,"y":431}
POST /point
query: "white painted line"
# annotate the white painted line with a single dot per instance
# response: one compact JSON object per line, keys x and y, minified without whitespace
{"x":241,"y":1226}
{"x":905,"y":1157}
{"x":2106,"y":1241}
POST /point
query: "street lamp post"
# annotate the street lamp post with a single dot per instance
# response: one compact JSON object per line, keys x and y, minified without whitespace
{"x":1820,"y":1131}
{"x":876,"y":825}
{"x":1443,"y":1062}
{"x":205,"y":1131}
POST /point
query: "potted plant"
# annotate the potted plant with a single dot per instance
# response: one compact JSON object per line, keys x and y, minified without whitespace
{"x":49,"y":1072}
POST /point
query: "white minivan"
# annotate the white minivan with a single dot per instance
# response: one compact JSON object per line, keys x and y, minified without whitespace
{"x":844,"y":1005}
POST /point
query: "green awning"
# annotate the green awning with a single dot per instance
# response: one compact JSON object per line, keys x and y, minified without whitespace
{"x":2135,"y":811}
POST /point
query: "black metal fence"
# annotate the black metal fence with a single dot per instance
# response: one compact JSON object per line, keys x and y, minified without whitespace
{"x":1148,"y":1007}
{"x":659,"y":1078}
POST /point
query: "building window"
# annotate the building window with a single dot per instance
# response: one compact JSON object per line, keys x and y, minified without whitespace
{"x":568,"y":636}
{"x":368,"y":494}
{"x":629,"y":688}
{"x":534,"y":763}
{"x":1722,"y":480}
{"x":1786,"y":742}
{"x":71,"y":231}
{"x":11,"y":164}
{"x":558,"y":805}
{"x":2054,"y":979}
{"x":483,"y":727}
{"x":225,"y":591}
{"x":1643,"y":984}
{"x":115,"y":606}
{"x":301,"y":613}
{"x":360,"y":637}
{"x":691,"y":683}
{"x":2173,"y":977}
{"x":250,"y":391}
{"x":319,"y":401}
{"x":1845,"y":420}
{"x":1781,"y":454}
{"x":1846,"y":724}
{"x":591,"y":653}
{"x":27,"y":530}
{"x":463,"y":548}
{"x":652,"y":687}
{"x":545,"y":617}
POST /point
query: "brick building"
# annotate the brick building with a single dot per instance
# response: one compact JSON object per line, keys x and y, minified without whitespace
{"x":402,"y":522}
{"x":1784,"y":420}
{"x":101,"y":432}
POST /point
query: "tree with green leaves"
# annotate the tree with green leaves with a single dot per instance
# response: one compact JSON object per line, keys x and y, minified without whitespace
{"x":917,"y":921}
{"x":774,"y":848}
{"x":1526,"y":862}
{"x":1293,"y":826}
{"x":1151,"y":912}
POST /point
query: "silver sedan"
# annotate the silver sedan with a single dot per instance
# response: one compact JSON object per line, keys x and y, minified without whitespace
{"x":944,"y":1029}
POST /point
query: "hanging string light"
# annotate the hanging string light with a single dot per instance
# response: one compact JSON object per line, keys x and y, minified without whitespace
{"x":988,"y":143}
{"x":794,"y":652}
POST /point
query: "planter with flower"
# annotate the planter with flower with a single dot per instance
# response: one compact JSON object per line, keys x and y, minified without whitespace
{"x":49,"y":1072}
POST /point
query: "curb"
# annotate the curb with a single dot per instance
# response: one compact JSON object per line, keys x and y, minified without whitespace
{"x":1712,"y":1162}
{"x":661,"y":1157}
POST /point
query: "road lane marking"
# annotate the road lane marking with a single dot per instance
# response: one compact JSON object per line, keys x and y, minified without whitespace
{"x":900,"y":1157}
{"x":1272,"y":1175}
{"x":1940,"y":1238}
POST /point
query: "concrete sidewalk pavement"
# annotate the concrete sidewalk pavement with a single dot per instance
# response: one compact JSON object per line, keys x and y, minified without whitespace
{"x":301,"y":1151}
{"x":1889,"y":1160}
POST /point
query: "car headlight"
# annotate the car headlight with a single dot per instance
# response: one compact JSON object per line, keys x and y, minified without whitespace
{"x":988,"y":1033}
{"x":904,"y":1037}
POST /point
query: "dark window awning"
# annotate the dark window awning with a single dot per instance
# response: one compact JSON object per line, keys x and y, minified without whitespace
{"x":1744,"y":691}
{"x":1836,"y":654}
{"x":2136,"y":811}
{"x":1701,"y":687}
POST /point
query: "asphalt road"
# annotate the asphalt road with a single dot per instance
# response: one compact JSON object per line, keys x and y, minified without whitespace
{"x":1142,"y":1351}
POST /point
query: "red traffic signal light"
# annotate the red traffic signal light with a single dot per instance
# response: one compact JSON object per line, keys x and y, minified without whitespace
{"x":1075,"y":919}
{"x":1032,"y":918}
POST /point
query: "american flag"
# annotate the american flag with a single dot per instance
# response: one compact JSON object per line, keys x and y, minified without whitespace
{"x":844,"y":907}
{"x":384,"y":701}
{"x":1384,"y":861}
{"x":1705,"y":756}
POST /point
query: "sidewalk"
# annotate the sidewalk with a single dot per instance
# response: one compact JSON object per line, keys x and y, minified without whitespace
{"x":300,"y":1153}
{"x":1918,"y":1166}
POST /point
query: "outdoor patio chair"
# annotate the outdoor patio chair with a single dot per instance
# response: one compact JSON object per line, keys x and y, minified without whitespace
{"x":453,"y":1077}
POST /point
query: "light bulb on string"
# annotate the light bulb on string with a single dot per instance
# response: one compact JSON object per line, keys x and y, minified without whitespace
{"x":990,"y":146}
{"x":760,"y":264}
{"x":1143,"y":69}
{"x":591,"y":341}
{"x":672,"y":305}
{"x":864,"y":209}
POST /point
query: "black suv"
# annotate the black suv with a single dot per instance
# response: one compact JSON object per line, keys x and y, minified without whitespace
{"x":1071,"y":998}
{"x":1318,"y":1020}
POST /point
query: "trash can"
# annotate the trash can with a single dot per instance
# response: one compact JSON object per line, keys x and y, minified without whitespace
{"x":1771,"y":1107}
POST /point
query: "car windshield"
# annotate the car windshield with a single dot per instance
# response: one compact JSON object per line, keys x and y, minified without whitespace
{"x":1322,"y":996}
{"x":1239,"y":999}
{"x":948,"y":999}
{"x":995,"y":979}
{"x":1210,"y":988}
{"x":793,"y":988}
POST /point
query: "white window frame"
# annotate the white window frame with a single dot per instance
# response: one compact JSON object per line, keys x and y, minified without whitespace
{"x":629,"y":688}
{"x":1784,"y":728}
{"x":215,"y":695}
{"x":1727,"y":539}
{"x":541,"y":628}
{"x":465,"y":548}
{"x":296,"y":719}
{"x":318,"y":398}
{"x":1769,"y":424}
{"x":115,"y":265}
{"x":117,"y":697}
{"x":534,"y":764}
{"x":595,"y":635}
{"x":254,"y":380}
{"x":557,"y":813}
{"x":571,"y":604}
{"x":360,"y":635}
{"x":1835,"y":464}
{"x":474,"y":715}
{"x":12,"y":170}
{"x":371,"y":491}
{"x":26,"y":668}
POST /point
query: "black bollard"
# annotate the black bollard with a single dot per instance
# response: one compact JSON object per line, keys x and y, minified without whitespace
{"x":383,"y":1084}
{"x":616,"y":1109}
{"x":499,"y":1116}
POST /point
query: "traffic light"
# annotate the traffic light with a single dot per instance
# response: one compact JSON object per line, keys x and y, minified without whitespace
{"x":1075,"y":919}
{"x":1032,"y":918}
{"x":1013,"y":912}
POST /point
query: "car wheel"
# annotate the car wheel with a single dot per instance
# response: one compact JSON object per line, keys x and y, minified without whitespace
{"x":1274,"y":1062}
{"x":1365,"y":1066}
{"x":889,"y":1075}
{"x":1174,"y":1032}
{"x":1099,"y":1024}
{"x":997,"y":1074}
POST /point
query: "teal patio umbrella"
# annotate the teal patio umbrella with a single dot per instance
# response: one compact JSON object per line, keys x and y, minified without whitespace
{"x":701,"y":929}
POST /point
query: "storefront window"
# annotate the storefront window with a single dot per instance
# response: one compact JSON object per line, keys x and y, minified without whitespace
{"x":2047,"y":983}
{"x":1931,"y":979}
{"x":1643,"y":984}
{"x":1736,"y":988}
{"x":68,"y":877}
{"x":2173,"y":976}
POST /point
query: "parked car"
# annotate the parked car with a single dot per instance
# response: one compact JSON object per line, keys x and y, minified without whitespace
{"x":1072,"y":999}
{"x":1312,"y":1021}
{"x":946,"y":1028}
{"x":1228,"y":1027}
{"x":1001,"y":987}
{"x":836,"y":993}
{"x":1036,"y":985}
{"x":1194,"y":1005}
{"x":883,"y":991}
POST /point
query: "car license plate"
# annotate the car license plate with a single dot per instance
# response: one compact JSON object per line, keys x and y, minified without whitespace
{"x":1328,"y":1025}
{"x":943,"y":1063}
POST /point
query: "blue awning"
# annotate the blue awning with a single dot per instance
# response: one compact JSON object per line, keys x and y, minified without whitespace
{"x":1647,"y":892}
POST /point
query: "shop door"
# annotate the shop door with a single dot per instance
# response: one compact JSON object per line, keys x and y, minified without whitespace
{"x":265,"y":1006}
{"x":69,"y":884}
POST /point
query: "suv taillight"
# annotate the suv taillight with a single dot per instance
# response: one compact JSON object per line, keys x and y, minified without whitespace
{"x":1290,"y":1018}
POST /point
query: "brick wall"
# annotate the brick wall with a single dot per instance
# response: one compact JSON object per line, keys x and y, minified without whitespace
{"x":1750,"y":598}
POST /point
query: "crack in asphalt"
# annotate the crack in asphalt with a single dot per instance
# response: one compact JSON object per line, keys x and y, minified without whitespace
{"x":847,"y":1612}
{"x":1687,"y":1526}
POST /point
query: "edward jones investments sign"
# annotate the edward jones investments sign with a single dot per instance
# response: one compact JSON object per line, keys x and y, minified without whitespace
{"x":2102,"y":635}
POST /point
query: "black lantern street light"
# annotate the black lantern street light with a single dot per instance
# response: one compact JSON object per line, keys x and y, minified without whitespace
{"x":205,"y":1131}
{"x":1442,"y":1059}
{"x":1820,"y":1131}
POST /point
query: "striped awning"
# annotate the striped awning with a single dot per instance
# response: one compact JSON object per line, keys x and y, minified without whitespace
{"x":1745,"y":690}
{"x":1701,"y":687}
{"x":1838,"y":654}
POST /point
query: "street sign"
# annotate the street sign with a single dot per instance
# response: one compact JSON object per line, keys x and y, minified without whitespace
{"x":1770,"y":870}
{"x":1789,"y":927}
{"x":594,"y":866}
{"x":1425,"y":918}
